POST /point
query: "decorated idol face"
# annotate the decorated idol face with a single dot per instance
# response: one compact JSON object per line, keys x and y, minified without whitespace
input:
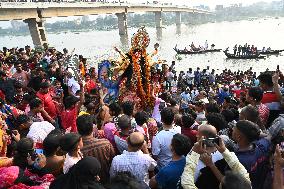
{"x":104,"y":74}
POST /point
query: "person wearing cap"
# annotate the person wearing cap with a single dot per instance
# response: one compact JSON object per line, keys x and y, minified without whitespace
{"x":71,"y":143}
{"x":48,"y":104}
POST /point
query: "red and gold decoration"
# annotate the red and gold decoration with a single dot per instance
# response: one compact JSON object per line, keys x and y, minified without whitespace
{"x":140,"y":88}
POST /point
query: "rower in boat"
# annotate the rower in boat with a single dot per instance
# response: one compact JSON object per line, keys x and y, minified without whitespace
{"x":212,"y":46}
{"x":235,"y":49}
{"x":239,"y":50}
{"x":193,"y":48}
{"x":263,"y":49}
{"x":268,"y":49}
{"x":206,"y":45}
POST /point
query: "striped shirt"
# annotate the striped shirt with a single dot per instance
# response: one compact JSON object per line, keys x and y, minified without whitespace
{"x":101,"y":149}
{"x":263,"y":113}
{"x":137,"y":163}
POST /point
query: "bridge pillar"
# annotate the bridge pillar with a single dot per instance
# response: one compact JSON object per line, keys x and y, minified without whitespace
{"x":37,"y":31}
{"x":178,"y":18}
{"x":122,"y":23}
{"x":158,"y":19}
{"x":178,"y":22}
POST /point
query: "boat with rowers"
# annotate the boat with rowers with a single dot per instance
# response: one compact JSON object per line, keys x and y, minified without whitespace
{"x":271,"y":52}
{"x":196,"y":50}
{"x":252,"y":56}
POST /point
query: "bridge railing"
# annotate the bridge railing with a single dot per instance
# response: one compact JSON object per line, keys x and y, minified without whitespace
{"x":44,"y":5}
{"x":78,"y":4}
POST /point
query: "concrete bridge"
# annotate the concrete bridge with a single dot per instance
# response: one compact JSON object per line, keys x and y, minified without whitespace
{"x":34,"y":14}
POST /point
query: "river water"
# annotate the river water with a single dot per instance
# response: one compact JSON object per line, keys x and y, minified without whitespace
{"x":98,"y":45}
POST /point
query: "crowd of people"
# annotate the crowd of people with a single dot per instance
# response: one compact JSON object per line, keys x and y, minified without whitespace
{"x":206,"y":130}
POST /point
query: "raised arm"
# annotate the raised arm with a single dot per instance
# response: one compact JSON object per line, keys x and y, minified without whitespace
{"x":232,"y":160}
{"x":276,"y":87}
{"x":187,"y":177}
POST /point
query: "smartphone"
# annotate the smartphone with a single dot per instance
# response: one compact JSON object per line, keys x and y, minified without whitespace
{"x":34,"y":155}
{"x":10,"y":132}
{"x":210,"y":142}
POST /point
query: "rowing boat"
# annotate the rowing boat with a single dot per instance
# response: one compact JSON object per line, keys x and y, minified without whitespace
{"x":254,"y":56}
{"x":271,"y":52}
{"x":197,"y":52}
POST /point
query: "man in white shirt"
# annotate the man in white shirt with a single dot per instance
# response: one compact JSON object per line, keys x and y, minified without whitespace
{"x":138,"y":163}
{"x":36,"y":130}
{"x":73,"y":85}
{"x":162,"y":141}
{"x":189,"y":78}
{"x":170,"y":77}
{"x":39,"y":130}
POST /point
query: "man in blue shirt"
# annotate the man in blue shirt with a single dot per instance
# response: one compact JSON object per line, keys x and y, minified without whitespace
{"x":252,"y":152}
{"x":185,"y":99}
{"x":168,"y":176}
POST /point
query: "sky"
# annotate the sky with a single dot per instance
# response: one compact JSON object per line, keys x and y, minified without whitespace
{"x":213,"y":3}
{"x":210,"y":3}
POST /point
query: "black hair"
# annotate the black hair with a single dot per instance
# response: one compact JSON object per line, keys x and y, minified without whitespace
{"x":141,"y":118}
{"x":251,"y":114}
{"x":181,"y":144}
{"x":266,"y":78}
{"x":165,"y":96}
{"x":44,"y":84}
{"x":115,"y":107}
{"x":228,"y":115}
{"x":124,"y":122}
{"x":124,"y":180}
{"x":127,"y":108}
{"x":18,"y":85}
{"x":35,"y":103}
{"x":173,"y":102}
{"x":234,"y":181}
{"x":28,"y":97}
{"x":256,"y":93}
{"x":23,"y":149}
{"x":70,"y":101}
{"x":236,"y":113}
{"x":187,"y":120}
{"x":228,"y":99}
{"x":217,"y":120}
{"x":69,"y":142}
{"x":167,"y":116}
{"x":85,"y":125}
{"x":17,"y":63}
{"x":212,"y":108}
{"x":21,"y":119}
{"x":249,"y":129}
{"x":94,"y":91}
{"x":51,"y":144}
{"x":90,"y":106}
{"x":178,"y":119}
